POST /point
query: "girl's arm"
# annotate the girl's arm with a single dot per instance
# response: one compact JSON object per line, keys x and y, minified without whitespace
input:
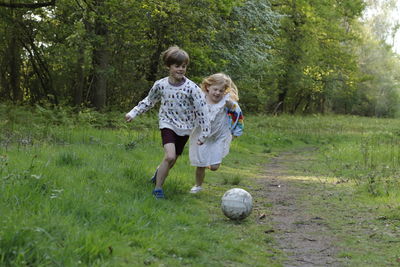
{"x":152,"y":98}
{"x":236,"y":119}
{"x":229,"y":104}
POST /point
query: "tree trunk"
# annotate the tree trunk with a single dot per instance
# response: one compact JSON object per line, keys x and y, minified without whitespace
{"x":282,"y":96}
{"x":80,"y":78}
{"x":159,"y":29}
{"x":100,"y":60}
{"x":14,"y":59}
{"x":15,"y":69}
{"x":27,"y":5}
{"x":41,"y":69}
{"x":288,"y":82}
{"x":298,"y":99}
{"x":5,"y":88}
{"x":154,"y":62}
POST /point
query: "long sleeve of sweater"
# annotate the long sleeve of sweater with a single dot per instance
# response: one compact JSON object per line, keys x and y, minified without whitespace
{"x":203,"y":121}
{"x":147,"y":103}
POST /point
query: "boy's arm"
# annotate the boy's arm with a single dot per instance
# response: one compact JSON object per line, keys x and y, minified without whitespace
{"x":152,"y":98}
{"x":200,"y":105}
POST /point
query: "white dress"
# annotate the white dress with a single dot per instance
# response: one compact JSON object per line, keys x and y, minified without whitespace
{"x":216,"y":145}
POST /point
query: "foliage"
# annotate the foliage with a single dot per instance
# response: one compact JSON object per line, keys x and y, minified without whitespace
{"x":314,"y":48}
{"x":378,"y":91}
{"x":291,"y":56}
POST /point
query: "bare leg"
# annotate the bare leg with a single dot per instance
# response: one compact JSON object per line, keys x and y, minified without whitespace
{"x":166,"y":164}
{"x":200,"y":174}
{"x":214,"y":167}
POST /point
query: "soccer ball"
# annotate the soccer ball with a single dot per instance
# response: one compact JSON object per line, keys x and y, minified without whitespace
{"x":236,"y":204}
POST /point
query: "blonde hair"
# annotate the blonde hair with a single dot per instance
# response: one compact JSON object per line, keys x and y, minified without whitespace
{"x":223,"y":80}
{"x":175,"y":55}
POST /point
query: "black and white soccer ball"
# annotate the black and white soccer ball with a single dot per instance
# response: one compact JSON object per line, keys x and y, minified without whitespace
{"x":236,"y":204}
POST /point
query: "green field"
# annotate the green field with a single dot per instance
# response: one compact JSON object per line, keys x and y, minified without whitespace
{"x":74,"y":188}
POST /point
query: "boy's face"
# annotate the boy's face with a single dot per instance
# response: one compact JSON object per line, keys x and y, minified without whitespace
{"x":177,"y":72}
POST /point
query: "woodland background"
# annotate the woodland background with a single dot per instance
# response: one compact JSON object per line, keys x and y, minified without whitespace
{"x":73,"y":174}
{"x":286,"y":56}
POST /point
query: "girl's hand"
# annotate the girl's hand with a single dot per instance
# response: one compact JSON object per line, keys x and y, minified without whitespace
{"x":128,"y":118}
{"x":199,"y":142}
{"x":229,"y":104}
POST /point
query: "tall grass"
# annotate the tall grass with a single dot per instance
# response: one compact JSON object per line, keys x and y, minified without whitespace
{"x":74,"y":191}
{"x":362,"y":150}
{"x":74,"y":187}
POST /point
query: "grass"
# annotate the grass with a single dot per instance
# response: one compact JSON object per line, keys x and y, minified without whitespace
{"x":364,"y":233}
{"x":76,"y":193}
{"x":74,"y":189}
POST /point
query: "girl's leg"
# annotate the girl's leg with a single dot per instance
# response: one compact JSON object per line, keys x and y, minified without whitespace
{"x":214,"y":167}
{"x":200,"y":174}
{"x":166,"y":164}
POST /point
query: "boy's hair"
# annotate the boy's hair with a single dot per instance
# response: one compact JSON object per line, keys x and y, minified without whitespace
{"x":175,"y":55}
{"x":225,"y":81}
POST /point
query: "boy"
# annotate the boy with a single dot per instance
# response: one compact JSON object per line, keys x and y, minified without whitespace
{"x":182,"y":108}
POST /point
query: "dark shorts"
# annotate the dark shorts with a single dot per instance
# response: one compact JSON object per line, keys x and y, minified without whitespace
{"x":169,"y":136}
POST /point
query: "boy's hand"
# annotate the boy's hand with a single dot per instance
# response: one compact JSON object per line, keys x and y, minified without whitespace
{"x":128,"y":118}
{"x":199,"y":142}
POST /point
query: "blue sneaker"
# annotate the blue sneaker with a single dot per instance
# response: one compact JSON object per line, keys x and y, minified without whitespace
{"x":158,"y":194}
{"x":154,"y":178}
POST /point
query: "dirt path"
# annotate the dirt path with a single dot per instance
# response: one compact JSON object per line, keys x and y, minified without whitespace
{"x":317,"y":222}
{"x":303,"y":236}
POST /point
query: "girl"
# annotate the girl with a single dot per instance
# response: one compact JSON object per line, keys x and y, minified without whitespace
{"x":182,"y":106}
{"x":226,"y":121}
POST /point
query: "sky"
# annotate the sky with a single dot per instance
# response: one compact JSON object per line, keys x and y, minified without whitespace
{"x":396,"y":18}
{"x":392,"y":17}
{"x":396,"y":46}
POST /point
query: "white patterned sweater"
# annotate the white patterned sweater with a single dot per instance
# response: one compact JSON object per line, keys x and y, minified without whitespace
{"x":182,"y":107}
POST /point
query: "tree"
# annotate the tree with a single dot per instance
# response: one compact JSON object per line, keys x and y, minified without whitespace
{"x":13,"y":57}
{"x":379,"y":90}
{"x":313,"y":47}
{"x":100,"y":56}
{"x":292,"y":56}
{"x":27,"y":5}
{"x":22,"y":44}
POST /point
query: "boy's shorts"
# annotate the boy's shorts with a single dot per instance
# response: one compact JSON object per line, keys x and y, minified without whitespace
{"x":169,"y":136}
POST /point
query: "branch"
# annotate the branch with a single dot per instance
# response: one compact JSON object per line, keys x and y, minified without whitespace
{"x":27,"y":5}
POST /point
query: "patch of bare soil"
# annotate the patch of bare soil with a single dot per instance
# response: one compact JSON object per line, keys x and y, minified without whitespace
{"x":305,"y":238}
{"x":318,"y":222}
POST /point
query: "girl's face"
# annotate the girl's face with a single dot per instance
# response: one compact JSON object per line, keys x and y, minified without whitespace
{"x":215,"y":93}
{"x":177,"y":72}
